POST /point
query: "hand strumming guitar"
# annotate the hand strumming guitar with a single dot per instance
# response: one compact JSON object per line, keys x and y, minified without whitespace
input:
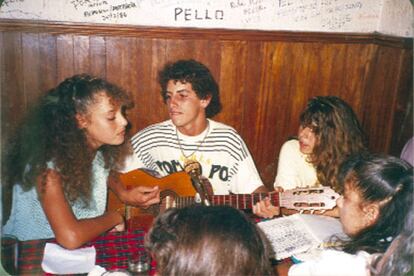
{"x":138,"y":196}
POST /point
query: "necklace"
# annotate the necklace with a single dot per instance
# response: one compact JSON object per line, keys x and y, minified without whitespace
{"x":187,"y":156}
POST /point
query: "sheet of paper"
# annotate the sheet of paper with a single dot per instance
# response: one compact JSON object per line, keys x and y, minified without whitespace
{"x":322,"y":227}
{"x":287,"y":236}
{"x":299,"y":233}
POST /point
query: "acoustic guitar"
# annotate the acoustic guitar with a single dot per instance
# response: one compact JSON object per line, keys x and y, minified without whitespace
{"x":177,"y":191}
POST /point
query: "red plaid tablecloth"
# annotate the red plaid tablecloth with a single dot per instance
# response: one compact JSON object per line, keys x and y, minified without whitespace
{"x":112,"y":251}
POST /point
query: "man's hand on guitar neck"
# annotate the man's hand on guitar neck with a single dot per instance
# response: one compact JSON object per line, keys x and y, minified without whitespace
{"x":265,"y":209}
{"x":139,"y":196}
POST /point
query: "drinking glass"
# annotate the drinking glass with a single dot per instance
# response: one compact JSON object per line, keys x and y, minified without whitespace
{"x":139,"y":264}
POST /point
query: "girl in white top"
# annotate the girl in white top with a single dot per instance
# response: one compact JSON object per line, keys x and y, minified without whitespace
{"x":329,"y":132}
{"x":294,"y":168}
{"x":373,"y":210}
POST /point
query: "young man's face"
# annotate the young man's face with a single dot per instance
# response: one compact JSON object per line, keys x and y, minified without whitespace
{"x":186,"y":110}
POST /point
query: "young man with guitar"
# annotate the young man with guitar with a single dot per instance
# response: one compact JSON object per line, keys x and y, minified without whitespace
{"x":192,"y":97}
{"x":191,"y":141}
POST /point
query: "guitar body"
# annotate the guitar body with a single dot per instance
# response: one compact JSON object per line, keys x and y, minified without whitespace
{"x":176,"y":184}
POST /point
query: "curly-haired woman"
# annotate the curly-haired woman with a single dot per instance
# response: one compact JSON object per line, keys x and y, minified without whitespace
{"x":59,"y":163}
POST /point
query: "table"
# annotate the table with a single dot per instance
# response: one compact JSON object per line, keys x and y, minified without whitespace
{"x":112,"y":251}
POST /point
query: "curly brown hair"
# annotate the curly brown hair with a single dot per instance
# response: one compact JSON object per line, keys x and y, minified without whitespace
{"x":338,"y":133}
{"x":50,"y":132}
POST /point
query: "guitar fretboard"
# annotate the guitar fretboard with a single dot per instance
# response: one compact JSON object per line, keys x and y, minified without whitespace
{"x":239,"y":201}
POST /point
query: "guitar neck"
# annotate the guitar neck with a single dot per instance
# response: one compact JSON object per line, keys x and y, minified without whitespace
{"x":238,"y":201}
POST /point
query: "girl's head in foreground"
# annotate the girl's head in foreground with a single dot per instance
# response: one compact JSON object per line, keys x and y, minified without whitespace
{"x":73,"y":120}
{"x":200,"y":240}
{"x":329,"y":132}
{"x":378,"y":194}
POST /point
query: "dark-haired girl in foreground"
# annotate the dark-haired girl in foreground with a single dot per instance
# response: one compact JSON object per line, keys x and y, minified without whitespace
{"x":374,"y":210}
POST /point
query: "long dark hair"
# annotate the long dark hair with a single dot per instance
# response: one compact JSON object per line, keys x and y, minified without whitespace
{"x":339,"y":135}
{"x":50,"y":132}
{"x":398,"y":259}
{"x":385,"y":180}
{"x":214,"y":240}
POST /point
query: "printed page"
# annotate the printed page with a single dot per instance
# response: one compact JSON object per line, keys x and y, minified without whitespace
{"x":288,"y":236}
{"x":322,"y":227}
{"x":299,"y":233}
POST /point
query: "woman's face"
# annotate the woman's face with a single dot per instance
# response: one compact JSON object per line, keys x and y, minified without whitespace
{"x":103,"y":123}
{"x":354,"y":214}
{"x":307,"y":140}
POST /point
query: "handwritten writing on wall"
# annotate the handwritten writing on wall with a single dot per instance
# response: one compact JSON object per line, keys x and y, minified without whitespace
{"x":301,"y":15}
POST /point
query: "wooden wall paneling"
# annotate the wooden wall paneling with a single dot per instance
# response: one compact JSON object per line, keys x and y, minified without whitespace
{"x":274,"y":106}
{"x":31,"y":69}
{"x":256,"y":90}
{"x":131,"y":71}
{"x":117,"y":60}
{"x":97,"y":54}
{"x":290,"y":88}
{"x":356,"y":59}
{"x":48,"y":58}
{"x":402,"y":127}
{"x":208,"y":51}
{"x":149,"y":106}
{"x":12,"y":98}
{"x":267,"y":116}
{"x":159,"y":58}
{"x":65,"y":57}
{"x":345,"y":73}
{"x":142,"y":114}
{"x":231,"y":83}
{"x":380,"y":98}
{"x":179,"y":49}
{"x":81,"y":54}
{"x":123,"y":68}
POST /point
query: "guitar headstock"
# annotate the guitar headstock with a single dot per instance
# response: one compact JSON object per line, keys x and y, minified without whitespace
{"x":310,"y":199}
